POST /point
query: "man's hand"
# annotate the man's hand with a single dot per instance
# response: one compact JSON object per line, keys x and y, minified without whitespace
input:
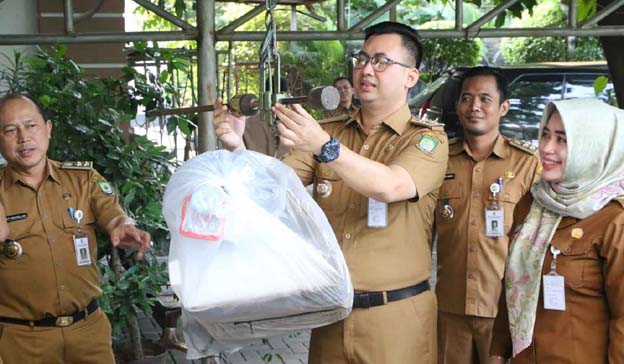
{"x":5,"y":231}
{"x":299,"y":130}
{"x":128,"y":236}
{"x":229,"y":128}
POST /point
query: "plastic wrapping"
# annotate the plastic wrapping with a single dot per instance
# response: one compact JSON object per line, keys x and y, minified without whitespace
{"x":251,"y":253}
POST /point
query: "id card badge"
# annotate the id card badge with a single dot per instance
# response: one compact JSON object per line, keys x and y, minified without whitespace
{"x":494,"y":223}
{"x":81,"y":242}
{"x":554,"y":292}
{"x":81,"y":246}
{"x":377,"y":214}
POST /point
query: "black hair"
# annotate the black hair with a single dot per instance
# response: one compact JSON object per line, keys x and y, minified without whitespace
{"x":501,"y":81}
{"x":16,"y":96}
{"x":410,"y":40}
{"x":340,"y":78}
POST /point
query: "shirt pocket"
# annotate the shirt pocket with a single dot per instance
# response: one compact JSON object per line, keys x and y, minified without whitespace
{"x":448,"y":200}
{"x":508,"y":199}
{"x":329,"y":190}
{"x":571,"y":261}
{"x":71,"y":225}
{"x":21,"y":231}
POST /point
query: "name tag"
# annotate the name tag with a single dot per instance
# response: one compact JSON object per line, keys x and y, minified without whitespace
{"x":81,"y":245}
{"x":494,"y":223}
{"x":377,"y":214}
{"x":16,"y":217}
{"x":554,"y":292}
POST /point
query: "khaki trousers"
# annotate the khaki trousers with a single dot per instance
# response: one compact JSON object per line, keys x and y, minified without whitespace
{"x":85,"y":342}
{"x":464,"y":339}
{"x":401,"y":332}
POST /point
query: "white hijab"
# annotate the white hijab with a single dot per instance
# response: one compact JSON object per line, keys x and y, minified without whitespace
{"x":593,"y":176}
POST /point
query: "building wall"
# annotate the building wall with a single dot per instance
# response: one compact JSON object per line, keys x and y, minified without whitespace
{"x":101,"y":59}
{"x":17,"y":17}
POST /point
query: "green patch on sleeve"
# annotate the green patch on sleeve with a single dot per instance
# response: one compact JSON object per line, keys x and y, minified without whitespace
{"x":428,"y":143}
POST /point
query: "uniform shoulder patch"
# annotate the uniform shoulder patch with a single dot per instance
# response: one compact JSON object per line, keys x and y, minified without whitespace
{"x":428,"y":142}
{"x":523,"y":145}
{"x":426,"y":123}
{"x":77,"y":165}
{"x":343,"y":117}
{"x":105,"y":187}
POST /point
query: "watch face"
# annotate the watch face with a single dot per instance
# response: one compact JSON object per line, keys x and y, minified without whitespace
{"x":329,"y":151}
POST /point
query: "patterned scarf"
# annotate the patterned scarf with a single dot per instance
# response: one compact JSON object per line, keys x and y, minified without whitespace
{"x":593,"y":176}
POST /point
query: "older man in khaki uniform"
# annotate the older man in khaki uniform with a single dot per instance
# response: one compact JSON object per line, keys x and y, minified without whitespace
{"x":487,"y":175}
{"x":376,"y":176}
{"x":50,"y":283}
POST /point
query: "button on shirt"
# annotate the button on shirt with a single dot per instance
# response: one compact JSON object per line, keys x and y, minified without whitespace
{"x":46,"y":279}
{"x":398,"y":255}
{"x":471,"y":265}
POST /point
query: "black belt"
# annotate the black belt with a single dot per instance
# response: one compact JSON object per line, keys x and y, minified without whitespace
{"x":372,"y":299}
{"x":60,"y":321}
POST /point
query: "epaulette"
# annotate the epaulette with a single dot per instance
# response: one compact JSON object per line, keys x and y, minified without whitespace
{"x":454,"y":140}
{"x":523,"y":145}
{"x":77,"y":165}
{"x":343,"y":117}
{"x":427,"y":123}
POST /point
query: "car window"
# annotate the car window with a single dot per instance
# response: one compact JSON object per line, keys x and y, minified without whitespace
{"x":582,"y":85}
{"x":529,"y":96}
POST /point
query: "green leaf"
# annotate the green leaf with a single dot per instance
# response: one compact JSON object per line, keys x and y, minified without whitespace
{"x":600,"y":84}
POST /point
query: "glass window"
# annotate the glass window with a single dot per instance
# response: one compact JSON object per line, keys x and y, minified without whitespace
{"x":529,"y":96}
{"x":582,"y":85}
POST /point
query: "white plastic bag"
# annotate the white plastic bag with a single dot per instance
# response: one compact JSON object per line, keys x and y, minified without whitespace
{"x":251,"y":254}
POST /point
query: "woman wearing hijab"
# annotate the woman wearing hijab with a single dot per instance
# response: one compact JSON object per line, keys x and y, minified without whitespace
{"x":564,"y":289}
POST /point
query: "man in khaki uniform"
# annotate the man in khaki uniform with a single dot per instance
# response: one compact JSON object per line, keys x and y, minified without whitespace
{"x":346,"y":106}
{"x":376,"y":176}
{"x":472,"y":247}
{"x":50,"y":283}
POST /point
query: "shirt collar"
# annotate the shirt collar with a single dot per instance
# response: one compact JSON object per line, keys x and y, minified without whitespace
{"x":12,"y":176}
{"x":396,"y":121}
{"x":501,"y":148}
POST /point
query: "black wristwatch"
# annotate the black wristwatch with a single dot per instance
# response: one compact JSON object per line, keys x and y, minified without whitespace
{"x":329,"y":151}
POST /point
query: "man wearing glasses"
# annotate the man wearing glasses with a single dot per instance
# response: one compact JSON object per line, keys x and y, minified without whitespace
{"x":376,"y":176}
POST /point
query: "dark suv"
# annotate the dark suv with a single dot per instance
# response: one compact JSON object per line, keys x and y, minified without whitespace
{"x":531,"y":88}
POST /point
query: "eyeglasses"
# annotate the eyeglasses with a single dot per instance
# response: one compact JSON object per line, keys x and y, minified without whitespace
{"x":379,"y":62}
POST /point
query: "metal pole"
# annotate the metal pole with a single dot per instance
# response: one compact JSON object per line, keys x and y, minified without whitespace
{"x":572,"y":25}
{"x":164,"y":14}
{"x":69,"y":16}
{"x":459,"y":14}
{"x":206,"y":72}
{"x":374,"y":15}
{"x":243,"y":19}
{"x":613,"y":6}
{"x":489,"y":16}
{"x":340,"y":16}
{"x":38,"y":39}
{"x":603,"y":31}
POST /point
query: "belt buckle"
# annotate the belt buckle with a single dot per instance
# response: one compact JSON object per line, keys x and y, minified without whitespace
{"x":64,"y":321}
{"x":364,"y":300}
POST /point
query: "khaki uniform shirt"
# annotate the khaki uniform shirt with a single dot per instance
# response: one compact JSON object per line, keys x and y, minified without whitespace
{"x":471,"y":265}
{"x":46,"y":279}
{"x":398,"y":255}
{"x":259,"y":137}
{"x":591,"y":329}
{"x":340,"y":110}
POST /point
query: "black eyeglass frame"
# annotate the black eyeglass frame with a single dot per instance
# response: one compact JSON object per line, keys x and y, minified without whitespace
{"x":387,"y":61}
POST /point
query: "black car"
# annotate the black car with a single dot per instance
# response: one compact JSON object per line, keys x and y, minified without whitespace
{"x":531,"y":88}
